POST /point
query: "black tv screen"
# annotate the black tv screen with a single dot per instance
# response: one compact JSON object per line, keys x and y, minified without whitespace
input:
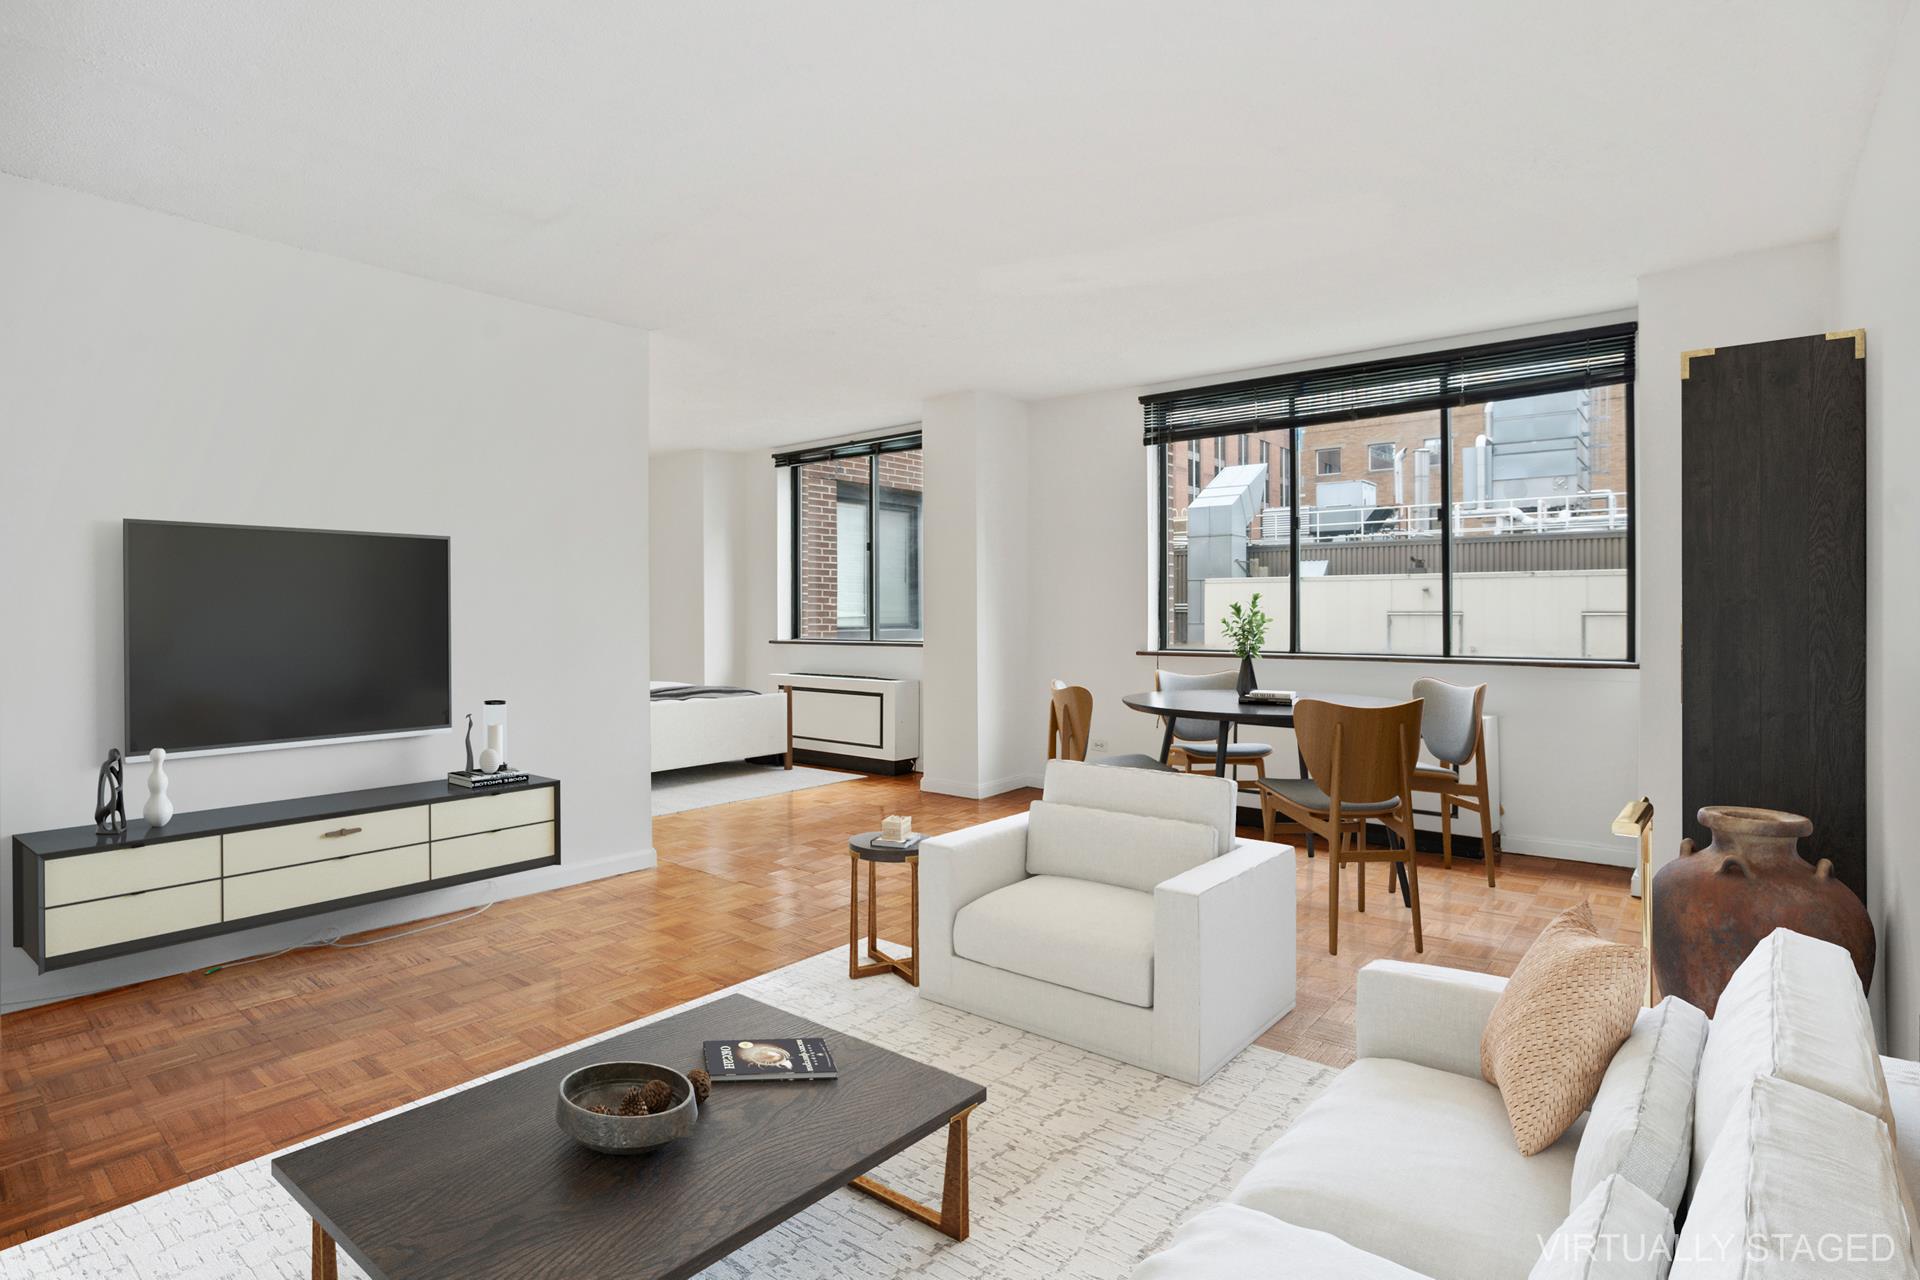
{"x":241,"y":636}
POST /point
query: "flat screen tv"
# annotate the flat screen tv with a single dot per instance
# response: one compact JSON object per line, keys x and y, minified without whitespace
{"x":248,"y":637}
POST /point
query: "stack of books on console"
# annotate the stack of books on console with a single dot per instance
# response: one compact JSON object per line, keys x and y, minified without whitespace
{"x":477,"y":781}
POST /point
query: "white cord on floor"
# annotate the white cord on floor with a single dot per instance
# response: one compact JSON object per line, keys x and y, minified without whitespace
{"x":333,"y":940}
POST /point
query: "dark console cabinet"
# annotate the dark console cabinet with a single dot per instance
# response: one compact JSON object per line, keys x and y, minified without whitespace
{"x":80,"y":896}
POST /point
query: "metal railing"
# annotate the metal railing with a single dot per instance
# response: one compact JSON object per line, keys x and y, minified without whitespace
{"x":1603,"y":510}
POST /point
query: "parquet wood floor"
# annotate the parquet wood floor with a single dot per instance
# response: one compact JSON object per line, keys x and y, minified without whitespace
{"x":112,"y":1097}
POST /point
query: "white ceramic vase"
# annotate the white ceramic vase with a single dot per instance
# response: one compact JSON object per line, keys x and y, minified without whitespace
{"x":159,"y":811}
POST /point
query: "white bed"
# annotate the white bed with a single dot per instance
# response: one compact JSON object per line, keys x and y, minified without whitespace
{"x":700,"y":731}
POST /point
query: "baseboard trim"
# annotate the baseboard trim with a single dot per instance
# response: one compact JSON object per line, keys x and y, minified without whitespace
{"x":1621,"y":855}
{"x":856,"y":764}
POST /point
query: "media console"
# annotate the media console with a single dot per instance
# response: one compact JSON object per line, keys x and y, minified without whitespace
{"x":80,"y":896}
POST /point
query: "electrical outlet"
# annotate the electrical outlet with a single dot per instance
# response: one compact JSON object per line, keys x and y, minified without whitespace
{"x":1098,"y":744}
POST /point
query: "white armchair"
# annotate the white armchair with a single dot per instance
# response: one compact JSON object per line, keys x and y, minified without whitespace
{"x":1121,"y":914}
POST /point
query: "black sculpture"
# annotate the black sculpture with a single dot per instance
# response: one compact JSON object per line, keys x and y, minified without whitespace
{"x":110,"y":811}
{"x":469,"y":742}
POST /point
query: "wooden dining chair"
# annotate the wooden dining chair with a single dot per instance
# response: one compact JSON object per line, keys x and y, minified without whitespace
{"x":1070,"y":719}
{"x":1196,"y":742}
{"x":1455,"y":736}
{"x":1359,"y":769}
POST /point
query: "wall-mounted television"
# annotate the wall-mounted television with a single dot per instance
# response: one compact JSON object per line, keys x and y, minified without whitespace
{"x":239,"y":636}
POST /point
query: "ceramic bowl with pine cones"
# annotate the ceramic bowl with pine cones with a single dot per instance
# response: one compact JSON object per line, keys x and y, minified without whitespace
{"x":622,"y":1107}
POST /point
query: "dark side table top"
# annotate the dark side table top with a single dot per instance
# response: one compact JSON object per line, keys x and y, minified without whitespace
{"x":864,"y":847}
{"x":483,"y":1184}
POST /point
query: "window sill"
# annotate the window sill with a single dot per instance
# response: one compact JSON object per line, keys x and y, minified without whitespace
{"x":860,"y":644}
{"x":1597,"y":664}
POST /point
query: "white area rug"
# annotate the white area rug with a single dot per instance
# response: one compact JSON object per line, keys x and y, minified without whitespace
{"x":678,"y":790}
{"x":1080,"y":1165}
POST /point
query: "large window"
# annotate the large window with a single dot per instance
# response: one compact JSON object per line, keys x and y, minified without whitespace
{"x":856,"y":538}
{"x":1491,"y":519}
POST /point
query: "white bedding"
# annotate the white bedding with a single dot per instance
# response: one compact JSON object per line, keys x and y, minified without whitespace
{"x":700,"y":731}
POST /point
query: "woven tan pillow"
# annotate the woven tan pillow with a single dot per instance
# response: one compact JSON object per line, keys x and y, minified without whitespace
{"x":1567,"y":1008}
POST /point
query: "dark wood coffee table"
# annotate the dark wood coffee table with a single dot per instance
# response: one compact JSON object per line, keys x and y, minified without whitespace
{"x":484,"y":1183}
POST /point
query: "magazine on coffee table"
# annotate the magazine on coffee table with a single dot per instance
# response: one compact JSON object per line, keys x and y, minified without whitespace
{"x":806,"y":1058}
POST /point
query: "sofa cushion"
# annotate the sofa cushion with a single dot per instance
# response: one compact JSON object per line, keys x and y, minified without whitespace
{"x":1641,"y":1122}
{"x":1616,"y":1232}
{"x":1082,"y":934}
{"x":1567,"y":1008}
{"x":1798,"y":1185}
{"x":1903,"y":1093}
{"x":1228,"y":1240}
{"x":1418,"y":1166}
{"x":1185,"y":797}
{"x":1121,"y":849}
{"x":1793,"y":1009}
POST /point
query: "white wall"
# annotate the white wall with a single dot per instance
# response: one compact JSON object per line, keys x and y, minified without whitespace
{"x":693,"y":544}
{"x":1567,"y":736}
{"x":676,"y":523}
{"x":152,"y":367}
{"x":1753,"y":297}
{"x":973,"y":701}
{"x":1879,"y":288}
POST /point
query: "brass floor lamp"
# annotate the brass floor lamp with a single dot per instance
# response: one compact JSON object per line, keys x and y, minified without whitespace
{"x":1637,"y":820}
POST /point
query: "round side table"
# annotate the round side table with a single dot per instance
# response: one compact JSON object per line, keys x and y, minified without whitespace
{"x":863,"y":849}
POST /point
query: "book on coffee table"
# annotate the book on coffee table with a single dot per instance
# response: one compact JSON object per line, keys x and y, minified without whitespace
{"x":804,"y":1058}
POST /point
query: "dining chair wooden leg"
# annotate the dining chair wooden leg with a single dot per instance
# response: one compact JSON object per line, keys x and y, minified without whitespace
{"x":1357,"y":840}
{"x":1413,"y":887}
{"x":1489,"y":843}
{"x":1333,"y":894}
{"x":1446,"y":831}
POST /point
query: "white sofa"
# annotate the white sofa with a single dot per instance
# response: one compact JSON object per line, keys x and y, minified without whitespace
{"x":1769,"y":1124}
{"x":1121,"y":913}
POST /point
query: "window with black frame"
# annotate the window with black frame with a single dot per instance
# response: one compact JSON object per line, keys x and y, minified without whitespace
{"x":856,"y":540}
{"x":1468,"y":504}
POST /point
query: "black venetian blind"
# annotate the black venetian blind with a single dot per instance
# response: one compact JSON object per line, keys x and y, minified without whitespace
{"x":900,"y":442}
{"x":1407,"y":384}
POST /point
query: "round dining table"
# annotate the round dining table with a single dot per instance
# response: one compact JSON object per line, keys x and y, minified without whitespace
{"x":1224,"y":708}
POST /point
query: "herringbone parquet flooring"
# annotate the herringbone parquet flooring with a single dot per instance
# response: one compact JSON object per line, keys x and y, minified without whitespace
{"x":113,"y":1097}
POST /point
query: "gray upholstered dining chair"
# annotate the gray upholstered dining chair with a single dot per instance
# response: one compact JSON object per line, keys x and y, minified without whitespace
{"x":1451,"y":729}
{"x":1198,"y":741}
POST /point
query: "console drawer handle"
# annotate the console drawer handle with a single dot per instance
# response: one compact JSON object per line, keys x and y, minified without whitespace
{"x":343,"y":831}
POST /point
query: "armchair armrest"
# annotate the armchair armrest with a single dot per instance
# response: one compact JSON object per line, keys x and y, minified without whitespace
{"x":955,"y":869}
{"x":1424,"y":1013}
{"x":1223,"y":957}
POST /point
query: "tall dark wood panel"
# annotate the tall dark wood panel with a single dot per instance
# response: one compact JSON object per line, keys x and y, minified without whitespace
{"x":1774,"y":576}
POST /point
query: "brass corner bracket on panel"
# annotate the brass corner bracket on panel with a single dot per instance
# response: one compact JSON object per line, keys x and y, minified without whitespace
{"x":1688,"y":357}
{"x":1859,"y":337}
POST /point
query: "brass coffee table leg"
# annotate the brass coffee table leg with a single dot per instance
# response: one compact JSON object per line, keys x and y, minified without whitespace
{"x":953,"y":1217}
{"x":326,"y":1263}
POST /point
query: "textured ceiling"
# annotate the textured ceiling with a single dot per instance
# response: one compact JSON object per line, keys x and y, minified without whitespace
{"x":829,"y":211}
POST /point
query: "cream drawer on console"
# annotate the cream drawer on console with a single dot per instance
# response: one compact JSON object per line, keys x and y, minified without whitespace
{"x":116,"y":871}
{"x":265,"y":892}
{"x":492,"y":813}
{"x":87,"y":925}
{"x":492,"y":849}
{"x":329,"y":838}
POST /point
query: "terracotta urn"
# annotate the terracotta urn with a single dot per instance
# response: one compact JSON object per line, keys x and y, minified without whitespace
{"x":1710,"y":906}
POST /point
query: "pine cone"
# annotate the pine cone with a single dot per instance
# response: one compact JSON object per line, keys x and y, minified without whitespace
{"x":702,"y":1084}
{"x":599,"y":1110}
{"x":632,"y":1103}
{"x":656,"y":1096}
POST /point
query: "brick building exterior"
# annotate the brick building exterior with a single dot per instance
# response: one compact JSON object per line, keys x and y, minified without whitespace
{"x":1349,"y":448}
{"x":824,"y":488}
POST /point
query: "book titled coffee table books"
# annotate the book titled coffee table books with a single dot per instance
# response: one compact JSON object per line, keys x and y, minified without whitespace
{"x":794,"y":1058}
